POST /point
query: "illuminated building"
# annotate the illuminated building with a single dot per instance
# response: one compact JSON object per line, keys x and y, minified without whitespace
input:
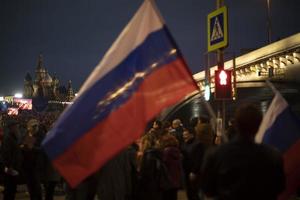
{"x":46,"y":86}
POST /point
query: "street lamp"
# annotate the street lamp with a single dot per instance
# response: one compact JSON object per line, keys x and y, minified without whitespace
{"x":18,"y":95}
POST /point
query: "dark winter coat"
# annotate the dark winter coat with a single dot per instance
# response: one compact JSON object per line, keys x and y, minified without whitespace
{"x":115,"y":178}
{"x":33,"y":157}
{"x":242,"y":169}
{"x":172,"y":160}
{"x":149,"y":182}
{"x":11,"y":152}
{"x":193,"y":152}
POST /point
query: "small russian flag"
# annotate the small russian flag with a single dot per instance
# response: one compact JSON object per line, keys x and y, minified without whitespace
{"x":281,"y":128}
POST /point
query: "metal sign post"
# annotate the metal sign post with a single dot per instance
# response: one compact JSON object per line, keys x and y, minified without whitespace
{"x":217,"y":39}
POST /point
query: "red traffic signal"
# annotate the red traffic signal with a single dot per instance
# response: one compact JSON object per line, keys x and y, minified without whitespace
{"x":223,"y":86}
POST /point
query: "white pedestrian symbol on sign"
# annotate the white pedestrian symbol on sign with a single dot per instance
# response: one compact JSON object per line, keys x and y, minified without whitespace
{"x":217,"y":32}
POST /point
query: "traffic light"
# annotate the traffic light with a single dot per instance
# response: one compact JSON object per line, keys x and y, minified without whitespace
{"x":223,"y":87}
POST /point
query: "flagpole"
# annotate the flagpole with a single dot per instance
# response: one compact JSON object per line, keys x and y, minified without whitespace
{"x":271,"y":85}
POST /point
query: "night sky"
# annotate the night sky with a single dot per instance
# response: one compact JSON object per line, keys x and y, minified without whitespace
{"x":73,"y":35}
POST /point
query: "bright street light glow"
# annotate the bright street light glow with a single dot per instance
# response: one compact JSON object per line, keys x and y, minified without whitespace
{"x":207,"y":93}
{"x":18,"y":95}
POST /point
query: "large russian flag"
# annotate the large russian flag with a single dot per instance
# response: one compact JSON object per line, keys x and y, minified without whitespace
{"x":141,"y":74}
{"x":281,"y":128}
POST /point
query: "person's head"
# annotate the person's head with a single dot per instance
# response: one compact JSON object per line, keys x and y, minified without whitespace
{"x":166,"y":125}
{"x":176,"y":123}
{"x":33,"y":126}
{"x":188,"y":134}
{"x":168,"y":141}
{"x":247,"y":120}
{"x":157,"y":124}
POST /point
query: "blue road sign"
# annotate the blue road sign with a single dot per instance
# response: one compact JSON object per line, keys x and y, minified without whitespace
{"x":217,"y":26}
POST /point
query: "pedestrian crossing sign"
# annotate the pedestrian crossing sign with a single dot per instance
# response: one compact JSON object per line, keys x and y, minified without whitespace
{"x":217,"y":29}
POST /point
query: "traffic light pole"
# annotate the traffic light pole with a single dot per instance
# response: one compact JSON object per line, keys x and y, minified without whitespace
{"x":234,"y":77}
{"x":220,"y":61}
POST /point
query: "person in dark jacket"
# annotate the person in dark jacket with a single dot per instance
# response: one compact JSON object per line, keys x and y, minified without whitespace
{"x":242,"y":169}
{"x":193,"y":151}
{"x":115,"y":178}
{"x":132,"y":152}
{"x":203,"y":131}
{"x":12,"y":161}
{"x":32,"y":153}
{"x":49,"y":176}
{"x":171,"y":157}
{"x":149,"y":179}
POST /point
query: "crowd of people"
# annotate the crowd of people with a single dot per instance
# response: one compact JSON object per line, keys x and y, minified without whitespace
{"x":168,"y":157}
{"x":22,"y":160}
